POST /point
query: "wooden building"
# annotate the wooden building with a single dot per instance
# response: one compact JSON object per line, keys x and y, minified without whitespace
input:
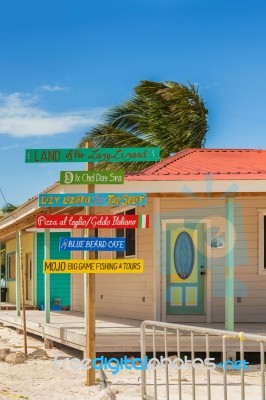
{"x":204,"y":252}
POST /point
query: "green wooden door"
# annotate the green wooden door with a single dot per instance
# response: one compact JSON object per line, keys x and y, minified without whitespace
{"x":60,"y":283}
{"x":185,"y":265}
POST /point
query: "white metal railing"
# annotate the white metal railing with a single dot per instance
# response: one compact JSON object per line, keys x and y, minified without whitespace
{"x":160,"y":384}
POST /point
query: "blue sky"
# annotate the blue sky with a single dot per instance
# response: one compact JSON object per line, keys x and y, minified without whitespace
{"x":63,"y":62}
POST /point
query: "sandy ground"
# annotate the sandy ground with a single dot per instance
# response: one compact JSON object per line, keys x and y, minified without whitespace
{"x":39,"y":379}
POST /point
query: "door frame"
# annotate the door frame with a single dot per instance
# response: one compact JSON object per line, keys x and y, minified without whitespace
{"x":208,"y":292}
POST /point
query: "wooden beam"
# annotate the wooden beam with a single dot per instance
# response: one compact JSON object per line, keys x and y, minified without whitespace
{"x":29,"y":221}
{"x":47,"y":276}
{"x":192,"y":195}
{"x":34,"y":270}
{"x":90,"y":293}
{"x":18,"y":283}
{"x":22,"y":277}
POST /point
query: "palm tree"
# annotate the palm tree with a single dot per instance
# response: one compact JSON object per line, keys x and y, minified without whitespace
{"x":169,"y":115}
{"x":8,"y":208}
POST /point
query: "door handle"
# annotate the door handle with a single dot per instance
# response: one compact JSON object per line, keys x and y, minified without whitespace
{"x":203,"y":273}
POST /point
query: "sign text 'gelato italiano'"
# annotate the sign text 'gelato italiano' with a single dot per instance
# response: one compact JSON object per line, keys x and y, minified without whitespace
{"x":92,"y":221}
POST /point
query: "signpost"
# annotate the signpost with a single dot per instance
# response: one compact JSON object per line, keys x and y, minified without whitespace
{"x":92,"y":155}
{"x":92,"y":244}
{"x":120,"y":266}
{"x":92,"y":199}
{"x":59,"y":221}
{"x":89,"y":222}
{"x":91,"y":177}
{"x":90,"y":288}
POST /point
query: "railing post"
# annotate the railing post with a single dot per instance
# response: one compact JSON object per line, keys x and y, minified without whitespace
{"x":143,"y":355}
{"x":221,"y":335}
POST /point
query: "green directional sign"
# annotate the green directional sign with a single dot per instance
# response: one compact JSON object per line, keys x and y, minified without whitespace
{"x":93,"y":155}
{"x":91,"y":177}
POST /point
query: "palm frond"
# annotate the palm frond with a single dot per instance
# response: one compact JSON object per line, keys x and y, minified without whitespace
{"x":169,"y":115}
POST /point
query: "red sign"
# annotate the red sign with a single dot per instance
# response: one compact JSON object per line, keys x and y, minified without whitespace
{"x":92,"y":221}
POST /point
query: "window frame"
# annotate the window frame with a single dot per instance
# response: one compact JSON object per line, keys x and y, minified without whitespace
{"x":123,"y":210}
{"x":8,"y":255}
{"x":262,"y":242}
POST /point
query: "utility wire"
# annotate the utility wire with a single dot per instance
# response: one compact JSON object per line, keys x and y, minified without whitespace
{"x":7,"y":204}
{"x":3,"y":197}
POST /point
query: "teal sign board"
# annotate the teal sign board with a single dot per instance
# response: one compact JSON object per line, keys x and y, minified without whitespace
{"x":93,"y":155}
{"x":92,"y":199}
{"x":91,"y":177}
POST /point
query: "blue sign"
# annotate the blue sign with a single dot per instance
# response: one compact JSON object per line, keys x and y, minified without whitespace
{"x":92,"y":199}
{"x":92,"y":244}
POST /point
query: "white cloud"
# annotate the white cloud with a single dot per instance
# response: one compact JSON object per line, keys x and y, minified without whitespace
{"x":51,"y":88}
{"x":22,"y":145}
{"x":11,"y":147}
{"x":21,"y":115}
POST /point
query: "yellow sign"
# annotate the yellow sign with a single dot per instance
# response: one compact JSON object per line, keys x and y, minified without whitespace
{"x":121,"y":266}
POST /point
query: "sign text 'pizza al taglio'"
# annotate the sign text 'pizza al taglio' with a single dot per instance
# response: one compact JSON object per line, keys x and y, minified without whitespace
{"x":91,"y":177}
{"x":93,"y":155}
{"x":123,"y":266}
{"x":91,"y":221}
{"x":92,"y":199}
{"x":92,"y":244}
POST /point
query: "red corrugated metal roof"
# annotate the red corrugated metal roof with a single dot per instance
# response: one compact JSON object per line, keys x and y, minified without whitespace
{"x":200,"y":164}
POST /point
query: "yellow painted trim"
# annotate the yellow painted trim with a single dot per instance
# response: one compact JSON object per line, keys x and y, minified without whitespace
{"x":176,"y":296}
{"x":191,"y":296}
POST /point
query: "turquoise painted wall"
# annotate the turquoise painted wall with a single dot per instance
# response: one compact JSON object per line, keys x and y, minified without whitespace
{"x":60,"y":283}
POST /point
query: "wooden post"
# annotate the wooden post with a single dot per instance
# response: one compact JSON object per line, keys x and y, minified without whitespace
{"x":90,"y":293}
{"x":47,"y":276}
{"x":23,"y":294}
{"x":34,"y":270}
{"x":0,"y":275}
{"x":229,"y":263}
{"x":85,"y":256}
{"x":18,"y":286}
